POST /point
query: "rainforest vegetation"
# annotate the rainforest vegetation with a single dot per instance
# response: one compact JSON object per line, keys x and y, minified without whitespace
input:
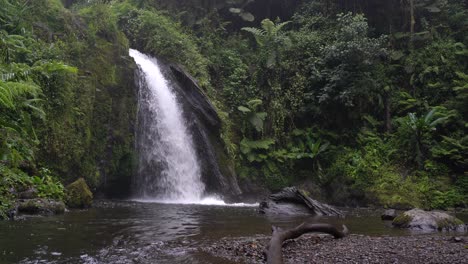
{"x":366,"y":100}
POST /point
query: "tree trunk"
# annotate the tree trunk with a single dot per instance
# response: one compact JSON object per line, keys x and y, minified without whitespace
{"x":274,"y":252}
{"x":412,"y":23}
{"x":388,"y":117}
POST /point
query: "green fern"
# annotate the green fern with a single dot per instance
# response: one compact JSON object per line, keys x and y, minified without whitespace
{"x":10,"y":91}
{"x":270,"y":39}
{"x":267,"y":33}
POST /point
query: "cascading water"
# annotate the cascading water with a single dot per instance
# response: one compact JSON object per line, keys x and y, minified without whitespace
{"x":168,"y":167}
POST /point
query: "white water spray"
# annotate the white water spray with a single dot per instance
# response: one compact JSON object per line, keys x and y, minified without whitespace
{"x":168,"y":167}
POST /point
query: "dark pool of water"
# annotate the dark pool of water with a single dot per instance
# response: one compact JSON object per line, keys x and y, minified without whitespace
{"x":131,"y":232}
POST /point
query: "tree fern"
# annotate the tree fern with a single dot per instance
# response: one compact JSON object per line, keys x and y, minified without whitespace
{"x":267,"y":33}
{"x":46,"y":67}
{"x":270,"y":39}
{"x":258,"y":34}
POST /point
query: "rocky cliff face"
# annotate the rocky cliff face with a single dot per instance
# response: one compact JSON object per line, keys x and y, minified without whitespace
{"x":113,"y":128}
{"x":205,"y":125}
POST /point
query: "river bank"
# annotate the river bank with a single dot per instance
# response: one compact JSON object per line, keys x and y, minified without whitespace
{"x":316,"y":248}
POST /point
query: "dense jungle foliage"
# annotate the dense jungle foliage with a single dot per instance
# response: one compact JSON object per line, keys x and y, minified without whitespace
{"x":366,"y":100}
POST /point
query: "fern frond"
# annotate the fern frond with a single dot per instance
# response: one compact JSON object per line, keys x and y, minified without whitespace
{"x":255,"y":31}
{"x":281,"y":25}
{"x":269,"y":26}
{"x":46,"y":67}
{"x":35,"y":109}
{"x":6,"y":99}
{"x":9,"y":91}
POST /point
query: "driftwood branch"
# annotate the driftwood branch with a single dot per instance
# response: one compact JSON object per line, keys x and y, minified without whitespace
{"x":291,"y":200}
{"x":274,"y":250}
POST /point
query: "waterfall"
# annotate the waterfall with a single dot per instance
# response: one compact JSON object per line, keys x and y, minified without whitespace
{"x":168,"y":169}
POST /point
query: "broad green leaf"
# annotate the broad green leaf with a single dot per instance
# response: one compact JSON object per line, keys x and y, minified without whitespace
{"x":243,"y":109}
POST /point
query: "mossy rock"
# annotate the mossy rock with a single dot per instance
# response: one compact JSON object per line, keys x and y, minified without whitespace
{"x":418,"y":219}
{"x":41,"y":206}
{"x":402,"y":220}
{"x":78,"y":194}
{"x":449,"y":224}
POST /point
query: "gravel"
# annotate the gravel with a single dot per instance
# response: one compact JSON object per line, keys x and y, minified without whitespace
{"x":313,"y":248}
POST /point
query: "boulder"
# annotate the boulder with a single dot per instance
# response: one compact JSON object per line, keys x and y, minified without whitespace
{"x":389,"y":214}
{"x":418,"y":219}
{"x":41,"y":206}
{"x":78,"y":194}
{"x":292,"y":201}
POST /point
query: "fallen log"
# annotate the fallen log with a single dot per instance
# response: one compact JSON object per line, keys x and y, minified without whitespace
{"x":291,"y":201}
{"x":274,"y":252}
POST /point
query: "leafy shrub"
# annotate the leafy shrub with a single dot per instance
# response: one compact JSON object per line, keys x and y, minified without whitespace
{"x":446,"y":199}
{"x":153,"y":32}
{"x":11,"y":180}
{"x":48,"y":185}
{"x":14,"y":181}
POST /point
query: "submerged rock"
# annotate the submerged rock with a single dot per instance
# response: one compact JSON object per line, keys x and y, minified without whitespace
{"x":292,"y":201}
{"x":78,"y":194}
{"x":41,"y":206}
{"x":428,"y":221}
{"x":389,"y":214}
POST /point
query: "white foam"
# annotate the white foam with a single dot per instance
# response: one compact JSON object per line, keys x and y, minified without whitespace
{"x":211,"y":200}
{"x":164,"y":140}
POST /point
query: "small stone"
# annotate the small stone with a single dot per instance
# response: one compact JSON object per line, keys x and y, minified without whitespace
{"x":456,"y":239}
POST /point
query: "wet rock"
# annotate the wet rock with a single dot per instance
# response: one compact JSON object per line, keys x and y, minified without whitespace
{"x":428,"y":221}
{"x":12,"y":213}
{"x":204,"y":124}
{"x":389,"y":214}
{"x":78,"y":194}
{"x":41,"y":206}
{"x":292,"y":201}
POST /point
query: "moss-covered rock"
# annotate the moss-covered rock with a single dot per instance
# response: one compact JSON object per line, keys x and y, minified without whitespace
{"x":428,"y":221}
{"x":402,"y":220}
{"x":78,"y":194}
{"x":41,"y":206}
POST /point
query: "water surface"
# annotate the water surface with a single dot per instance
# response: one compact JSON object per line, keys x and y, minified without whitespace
{"x":135,"y":232}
